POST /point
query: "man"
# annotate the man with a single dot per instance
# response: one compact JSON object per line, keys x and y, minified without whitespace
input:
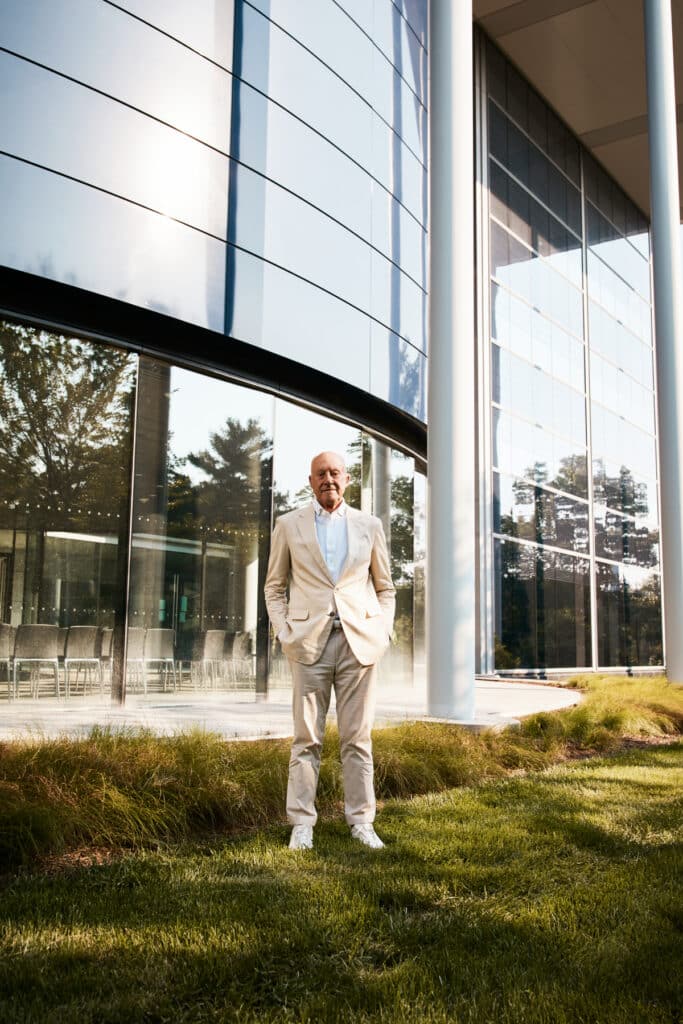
{"x":335,"y":627}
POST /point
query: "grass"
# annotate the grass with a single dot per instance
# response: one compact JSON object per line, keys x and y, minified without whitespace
{"x":547,"y":898}
{"x":133,"y":790}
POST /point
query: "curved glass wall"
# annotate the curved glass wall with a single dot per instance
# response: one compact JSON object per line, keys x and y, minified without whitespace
{"x":571,"y":374}
{"x":172,"y":542}
{"x":253,"y":161}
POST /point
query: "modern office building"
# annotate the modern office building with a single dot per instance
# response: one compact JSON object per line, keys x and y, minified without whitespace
{"x":215,"y":248}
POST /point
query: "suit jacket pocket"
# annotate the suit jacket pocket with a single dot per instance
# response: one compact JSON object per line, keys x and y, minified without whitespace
{"x":297,"y":614}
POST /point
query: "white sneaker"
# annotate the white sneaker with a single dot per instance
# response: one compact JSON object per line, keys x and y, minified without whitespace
{"x":366,"y":835}
{"x":301,"y":838}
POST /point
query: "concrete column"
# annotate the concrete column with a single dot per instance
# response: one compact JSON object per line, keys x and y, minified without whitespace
{"x":666,"y":256}
{"x":451,"y":550}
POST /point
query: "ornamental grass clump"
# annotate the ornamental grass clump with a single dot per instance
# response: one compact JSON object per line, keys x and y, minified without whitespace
{"x":132,"y":789}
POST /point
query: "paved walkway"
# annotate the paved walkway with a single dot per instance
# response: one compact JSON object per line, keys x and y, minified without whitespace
{"x":238,"y":715}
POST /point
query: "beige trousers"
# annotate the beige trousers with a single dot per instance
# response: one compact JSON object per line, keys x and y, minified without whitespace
{"x":354,"y":687}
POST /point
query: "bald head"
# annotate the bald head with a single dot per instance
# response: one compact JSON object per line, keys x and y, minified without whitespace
{"x":329,"y":479}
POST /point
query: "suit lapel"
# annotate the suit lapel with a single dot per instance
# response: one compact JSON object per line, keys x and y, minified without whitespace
{"x":306,"y":527}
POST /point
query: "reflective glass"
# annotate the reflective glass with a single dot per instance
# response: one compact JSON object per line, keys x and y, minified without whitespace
{"x":530,"y":277}
{"x":398,"y":169}
{"x":65,"y":449}
{"x":529,"y":512}
{"x":201,"y":533}
{"x":157,"y":75}
{"x":398,"y":372}
{"x":519,"y":327}
{"x":398,"y":105}
{"x":525,"y":107}
{"x":605,"y":194}
{"x":205,"y":25}
{"x":614,"y":341}
{"x":280,"y":68}
{"x":393,"y":501}
{"x":525,"y":449}
{"x":54,"y":227}
{"x":272,"y":223}
{"x":419,"y":587}
{"x":292,"y":154}
{"x":66,"y":127}
{"x":618,"y":299}
{"x":522,"y":158}
{"x":621,"y":393}
{"x":272,"y":308}
{"x":517,"y":210}
{"x":400,"y":37}
{"x":620,"y":442}
{"x":629,"y":616}
{"x":622,"y":489}
{"x":398,"y":302}
{"x":614,"y":250}
{"x":527,"y":390}
{"x":623,"y":539}
{"x":398,"y":235}
{"x":542,"y":617}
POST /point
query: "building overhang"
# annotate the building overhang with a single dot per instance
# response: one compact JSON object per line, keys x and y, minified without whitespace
{"x":587,"y":59}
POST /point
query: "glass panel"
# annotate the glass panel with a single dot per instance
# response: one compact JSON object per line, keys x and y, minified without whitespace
{"x":201,"y":528}
{"x":393,"y":503}
{"x":606,"y":195}
{"x":517,"y":153}
{"x":54,"y":227}
{"x":618,"y":299}
{"x":273,"y":223}
{"x":519,"y":327}
{"x":622,"y":539}
{"x":524,"y":449}
{"x":629,"y":616}
{"x":542,"y":608}
{"x":527,"y":511}
{"x":394,"y":33}
{"x":619,"y":488}
{"x":280,"y":68}
{"x":398,"y":372}
{"x":398,"y":235}
{"x":616,"y":252}
{"x":527,"y":390}
{"x":609,"y":337}
{"x":520,"y":270}
{"x":205,"y":25}
{"x":612,"y":387}
{"x":282,"y":313}
{"x":65,"y":443}
{"x":419,"y":582}
{"x":514,"y":207}
{"x":284,"y":149}
{"x":122,"y":151}
{"x":158,"y":75}
{"x":399,"y":170}
{"x":619,"y":442}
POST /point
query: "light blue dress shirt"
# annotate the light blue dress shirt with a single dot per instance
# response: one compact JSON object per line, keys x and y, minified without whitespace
{"x":330,"y":528}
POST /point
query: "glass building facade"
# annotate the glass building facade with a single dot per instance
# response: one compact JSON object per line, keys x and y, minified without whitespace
{"x":247,"y":181}
{"x":569,"y":354}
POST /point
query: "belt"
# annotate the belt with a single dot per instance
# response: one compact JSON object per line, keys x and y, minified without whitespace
{"x":336,"y":624}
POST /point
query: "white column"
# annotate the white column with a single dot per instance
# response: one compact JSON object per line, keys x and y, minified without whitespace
{"x":666,"y":256}
{"x":451,"y":373}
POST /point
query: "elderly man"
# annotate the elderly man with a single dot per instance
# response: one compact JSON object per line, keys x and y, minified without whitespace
{"x":334,"y":629}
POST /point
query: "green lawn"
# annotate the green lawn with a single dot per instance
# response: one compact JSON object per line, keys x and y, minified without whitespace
{"x":544,"y":898}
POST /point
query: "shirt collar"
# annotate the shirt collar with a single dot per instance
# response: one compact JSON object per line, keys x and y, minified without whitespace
{"x":340,"y":510}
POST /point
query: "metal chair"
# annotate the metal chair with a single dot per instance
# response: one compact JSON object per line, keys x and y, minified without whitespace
{"x":242,"y":660}
{"x":208,"y":657}
{"x":36,"y":645}
{"x":159,"y":651}
{"x":135,"y":656}
{"x":7,"y":634}
{"x":82,"y":650}
{"x":106,"y":650}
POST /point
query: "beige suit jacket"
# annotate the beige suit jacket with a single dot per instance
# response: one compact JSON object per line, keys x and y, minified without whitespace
{"x":363,"y":597}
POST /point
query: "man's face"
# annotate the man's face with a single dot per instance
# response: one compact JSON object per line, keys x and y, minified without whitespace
{"x":328,"y":479}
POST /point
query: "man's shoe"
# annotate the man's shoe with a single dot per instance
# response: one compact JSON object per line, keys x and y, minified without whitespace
{"x":366,"y":835}
{"x":301,"y":838}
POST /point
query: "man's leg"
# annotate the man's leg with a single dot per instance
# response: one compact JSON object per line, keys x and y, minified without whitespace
{"x":355,"y":693}
{"x":311,"y":690}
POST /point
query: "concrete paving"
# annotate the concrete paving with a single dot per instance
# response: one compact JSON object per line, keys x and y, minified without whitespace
{"x":239,"y":715}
